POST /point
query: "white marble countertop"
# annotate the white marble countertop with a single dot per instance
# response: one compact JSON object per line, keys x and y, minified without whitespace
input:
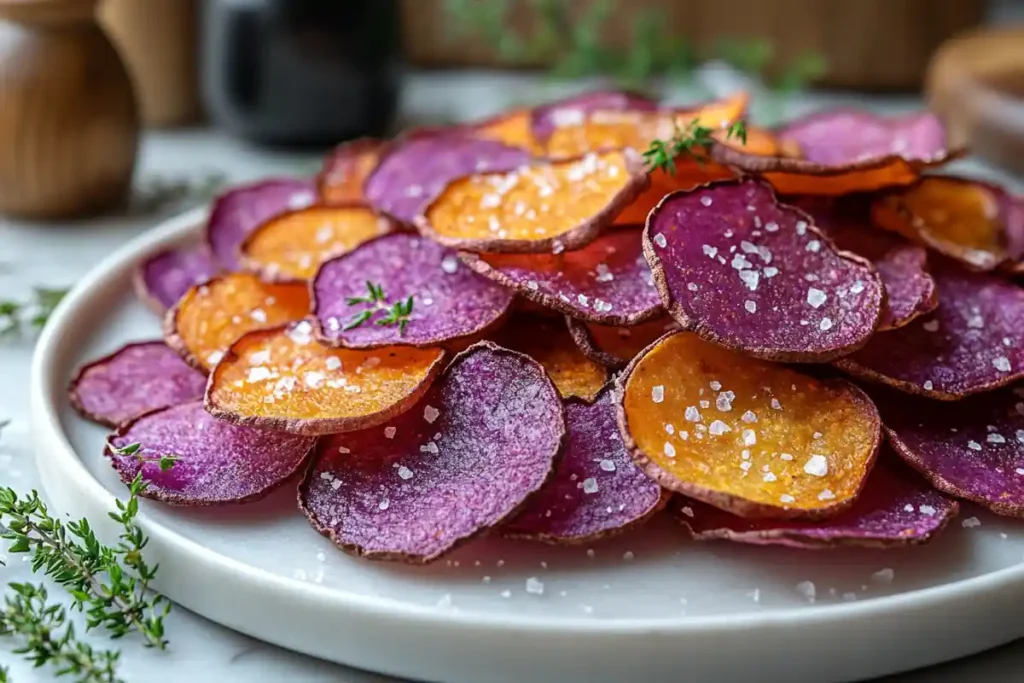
{"x":56,"y":255}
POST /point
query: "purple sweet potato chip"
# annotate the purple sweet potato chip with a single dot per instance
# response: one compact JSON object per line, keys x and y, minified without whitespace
{"x":239,"y":211}
{"x":214,"y":462}
{"x":415,"y":171}
{"x":597,"y":489}
{"x":971,"y":449}
{"x":572,"y":110}
{"x":466,"y":458}
{"x":607,"y":282}
{"x":448,"y":300}
{"x":910,"y":289}
{"x":895,"y":508}
{"x":133,"y":380}
{"x":748,"y":273}
{"x":842,"y":136}
{"x":162,"y":279}
{"x":972,"y":342}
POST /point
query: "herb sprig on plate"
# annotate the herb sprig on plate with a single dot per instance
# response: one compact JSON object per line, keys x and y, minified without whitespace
{"x":691,"y":141}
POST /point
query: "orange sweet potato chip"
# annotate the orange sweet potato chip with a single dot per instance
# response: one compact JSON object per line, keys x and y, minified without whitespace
{"x":346,"y":169}
{"x":291,"y":247}
{"x":968,"y":220}
{"x":542,"y":207}
{"x":205,"y":322}
{"x":614,"y":346}
{"x":547,"y":341}
{"x":750,"y":437}
{"x":512,"y":128}
{"x":636,"y":129}
{"x":284,"y":380}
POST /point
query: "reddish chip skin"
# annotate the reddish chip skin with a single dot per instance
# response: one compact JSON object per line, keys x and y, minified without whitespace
{"x":133,"y":380}
{"x":573,"y":110}
{"x":597,"y":489}
{"x":896,"y":508}
{"x":746,"y":272}
{"x":418,"y":168}
{"x":239,"y":211}
{"x":449,"y":301}
{"x":971,"y":343}
{"x":481,"y":443}
{"x":164,"y":278}
{"x":214,"y":462}
{"x":972,"y":449}
{"x":607,"y":281}
{"x":910,"y":289}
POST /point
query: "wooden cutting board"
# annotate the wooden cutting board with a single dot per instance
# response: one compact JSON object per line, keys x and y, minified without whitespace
{"x":976,"y":84}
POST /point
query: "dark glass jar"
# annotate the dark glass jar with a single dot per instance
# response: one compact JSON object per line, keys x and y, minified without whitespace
{"x":301,"y":72}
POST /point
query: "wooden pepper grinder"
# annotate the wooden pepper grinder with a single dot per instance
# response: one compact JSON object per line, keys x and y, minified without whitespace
{"x":68,"y":118}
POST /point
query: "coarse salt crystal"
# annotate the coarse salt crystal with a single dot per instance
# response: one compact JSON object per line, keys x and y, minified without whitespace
{"x":430,"y":413}
{"x":333,"y":363}
{"x":931,"y":326}
{"x":816,"y":465}
{"x":813,"y":246}
{"x":1002,"y":364}
{"x":825,"y":325}
{"x":926,"y":510}
{"x":750,"y":306}
{"x":590,"y":485}
{"x":534,"y":586}
{"x":658,"y":393}
{"x":749,"y":417}
{"x":883,"y":575}
{"x":669,"y":449}
{"x":660,"y":240}
{"x":405,"y":473}
{"x":718,"y":428}
{"x":607,"y":465}
{"x":786,"y":498}
{"x":970,"y":522}
{"x":692,"y":414}
{"x":816,"y":297}
{"x":974,"y":445}
{"x":749,"y":437}
{"x":389,"y":432}
{"x":826,"y":495}
{"x":807,"y":589}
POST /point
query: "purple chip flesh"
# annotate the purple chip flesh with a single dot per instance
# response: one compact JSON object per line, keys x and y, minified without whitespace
{"x":416,"y":170}
{"x":239,"y":211}
{"x":449,"y":301}
{"x":748,"y":273}
{"x":162,"y":279}
{"x":213,"y":461}
{"x":133,"y":380}
{"x":972,"y":342}
{"x":606,"y":282}
{"x":896,"y":508}
{"x":469,"y":456}
{"x":597,"y":489}
{"x":843,"y":136}
{"x":971,"y":449}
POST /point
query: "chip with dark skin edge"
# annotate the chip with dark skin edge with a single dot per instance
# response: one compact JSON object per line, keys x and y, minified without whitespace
{"x":469,"y":456}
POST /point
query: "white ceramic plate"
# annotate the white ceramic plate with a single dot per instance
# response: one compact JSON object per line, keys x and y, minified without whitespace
{"x":652,"y":605}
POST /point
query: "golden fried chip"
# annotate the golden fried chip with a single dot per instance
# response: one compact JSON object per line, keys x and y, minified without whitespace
{"x":284,"y":380}
{"x":615,"y":345}
{"x":961,"y":218}
{"x":291,"y":247}
{"x":547,"y":341}
{"x":747,"y":436}
{"x":346,"y":170}
{"x":542,"y":207}
{"x":205,"y":322}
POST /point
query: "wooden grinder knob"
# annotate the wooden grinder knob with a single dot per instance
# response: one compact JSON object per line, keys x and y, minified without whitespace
{"x":68,"y":119}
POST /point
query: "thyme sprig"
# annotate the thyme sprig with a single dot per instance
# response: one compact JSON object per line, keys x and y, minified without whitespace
{"x":134,"y":450}
{"x":47,"y":637}
{"x":109,"y":585}
{"x":16,"y":316}
{"x":394,"y":314}
{"x":690,"y":141}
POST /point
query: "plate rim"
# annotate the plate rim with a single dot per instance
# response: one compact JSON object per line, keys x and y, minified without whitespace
{"x":54,"y":452}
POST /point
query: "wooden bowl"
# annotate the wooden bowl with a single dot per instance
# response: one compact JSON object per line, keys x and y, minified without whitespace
{"x":976,"y":84}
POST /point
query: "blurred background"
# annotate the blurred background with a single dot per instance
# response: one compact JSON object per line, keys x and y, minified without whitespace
{"x":89,"y":85}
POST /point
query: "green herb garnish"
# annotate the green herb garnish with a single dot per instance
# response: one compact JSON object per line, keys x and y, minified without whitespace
{"x":689,"y":141}
{"x":47,"y":637}
{"x":15,"y":316}
{"x":377,"y":300}
{"x":110,"y":585}
{"x":134,"y":450}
